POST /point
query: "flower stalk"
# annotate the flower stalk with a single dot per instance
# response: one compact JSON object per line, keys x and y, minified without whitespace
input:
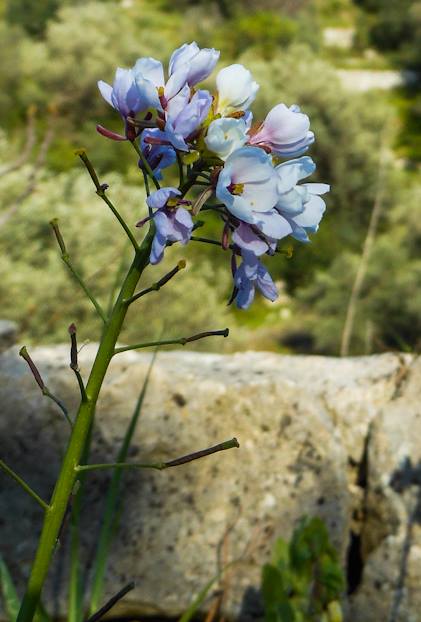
{"x":65,"y":482}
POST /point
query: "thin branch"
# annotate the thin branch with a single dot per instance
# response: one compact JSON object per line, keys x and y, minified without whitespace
{"x":66,"y":259}
{"x":195,"y":238}
{"x":24,"y":485}
{"x":100,"y":190}
{"x":161,"y":466}
{"x":147,"y":188}
{"x":145,"y":164}
{"x":367,"y":247}
{"x":23,"y":352}
{"x":180,"y":168}
{"x":169,"y":342}
{"x":110,"y":604}
{"x":74,"y":361}
{"x":157,"y":286}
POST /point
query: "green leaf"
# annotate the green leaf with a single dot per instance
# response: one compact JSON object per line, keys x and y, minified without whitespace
{"x":9,"y":593}
{"x":280,"y":554}
{"x":112,"y":503}
{"x":273,"y":591}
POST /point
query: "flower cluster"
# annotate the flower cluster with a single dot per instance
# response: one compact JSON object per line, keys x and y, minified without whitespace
{"x":241,"y":168}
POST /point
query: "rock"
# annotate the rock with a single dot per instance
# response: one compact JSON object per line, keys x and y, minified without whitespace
{"x":302,"y":424}
{"x":391,"y":533}
{"x":8,"y":334}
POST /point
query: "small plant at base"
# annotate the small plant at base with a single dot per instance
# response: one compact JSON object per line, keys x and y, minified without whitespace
{"x":304,"y":581}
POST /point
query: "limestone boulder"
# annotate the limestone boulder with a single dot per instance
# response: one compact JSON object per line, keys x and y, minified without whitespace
{"x":302,"y":423}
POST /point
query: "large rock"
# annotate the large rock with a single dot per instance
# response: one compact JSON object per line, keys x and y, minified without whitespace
{"x":302,"y":423}
{"x":391,"y":530}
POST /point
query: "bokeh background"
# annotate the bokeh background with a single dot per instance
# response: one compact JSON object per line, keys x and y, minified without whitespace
{"x":352,"y":65}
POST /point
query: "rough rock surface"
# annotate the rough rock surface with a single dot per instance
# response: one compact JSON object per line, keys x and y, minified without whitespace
{"x":308,"y":427}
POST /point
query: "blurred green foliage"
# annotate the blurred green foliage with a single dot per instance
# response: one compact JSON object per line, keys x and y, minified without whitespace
{"x":304,"y":581}
{"x":53,"y":53}
{"x":394,"y":26}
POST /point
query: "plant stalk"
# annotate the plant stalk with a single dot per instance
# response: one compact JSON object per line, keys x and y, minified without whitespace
{"x":68,"y":474}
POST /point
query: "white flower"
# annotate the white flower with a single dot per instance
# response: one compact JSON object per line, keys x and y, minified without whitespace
{"x":225,"y":136}
{"x":236,"y":89}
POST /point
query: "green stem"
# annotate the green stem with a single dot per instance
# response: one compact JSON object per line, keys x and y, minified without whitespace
{"x":145,"y":164}
{"x":66,"y":259}
{"x":24,"y":485}
{"x":160,"y":466}
{"x":170,"y":342}
{"x":180,"y":168}
{"x":103,"y":196}
{"x":100,"y":190}
{"x":68,"y":473}
{"x":157,"y":286}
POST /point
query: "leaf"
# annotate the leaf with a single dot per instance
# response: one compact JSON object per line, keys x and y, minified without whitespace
{"x":280,"y":554}
{"x":9,"y":593}
{"x":273,"y":591}
{"x":112,"y":502}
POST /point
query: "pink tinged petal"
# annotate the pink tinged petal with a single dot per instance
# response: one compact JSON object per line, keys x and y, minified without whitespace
{"x":273,"y":224}
{"x":106,"y":91}
{"x":245,"y":238}
{"x":283,"y":126}
{"x":150,"y":69}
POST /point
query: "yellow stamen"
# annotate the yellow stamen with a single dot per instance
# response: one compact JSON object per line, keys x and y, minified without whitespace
{"x":237,"y":188}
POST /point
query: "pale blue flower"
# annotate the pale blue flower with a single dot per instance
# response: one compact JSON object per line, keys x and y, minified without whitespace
{"x":301,"y":205}
{"x":225,"y":135}
{"x":184,"y":116}
{"x":200,"y":62}
{"x":286,"y":131}
{"x":124,"y":95}
{"x":251,"y":274}
{"x":248,"y":184}
{"x":172,"y":223}
{"x":150,"y":80}
{"x":158,"y":156}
